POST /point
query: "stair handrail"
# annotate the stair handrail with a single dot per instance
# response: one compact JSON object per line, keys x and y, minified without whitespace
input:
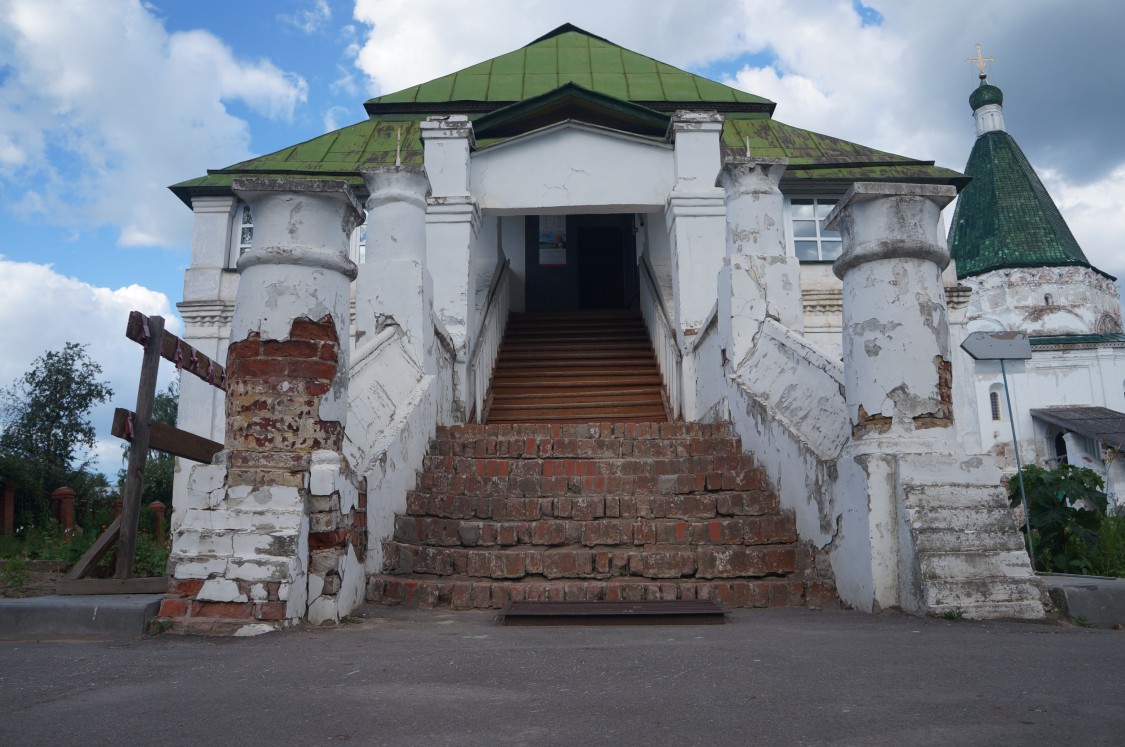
{"x":663,"y":336}
{"x":489,"y":335}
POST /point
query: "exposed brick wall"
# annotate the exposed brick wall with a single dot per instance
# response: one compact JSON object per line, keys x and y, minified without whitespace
{"x":274,"y":392}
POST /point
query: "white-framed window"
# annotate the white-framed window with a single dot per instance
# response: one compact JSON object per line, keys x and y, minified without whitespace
{"x":242,"y":232}
{"x":361,"y":243}
{"x":812,"y":242}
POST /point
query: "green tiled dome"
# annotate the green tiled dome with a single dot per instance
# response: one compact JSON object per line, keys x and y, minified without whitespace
{"x":1005,"y":218}
{"x":985,"y":94}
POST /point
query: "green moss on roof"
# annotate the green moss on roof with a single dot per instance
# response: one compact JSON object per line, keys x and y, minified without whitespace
{"x":568,"y":55}
{"x":822,"y":157}
{"x":1005,"y":218}
{"x":335,"y":155}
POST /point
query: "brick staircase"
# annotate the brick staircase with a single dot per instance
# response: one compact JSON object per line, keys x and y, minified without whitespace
{"x":578,"y":367}
{"x":625,"y":511}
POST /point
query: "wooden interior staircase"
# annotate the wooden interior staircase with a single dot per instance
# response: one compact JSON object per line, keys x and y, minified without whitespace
{"x":576,"y":367}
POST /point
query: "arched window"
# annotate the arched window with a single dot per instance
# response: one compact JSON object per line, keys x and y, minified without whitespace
{"x":1047,"y":299}
{"x":242,"y":232}
{"x":994,"y":404}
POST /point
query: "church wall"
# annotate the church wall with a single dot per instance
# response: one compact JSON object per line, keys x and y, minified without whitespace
{"x":572,"y":166}
{"x":1044,"y":301}
{"x":512,"y":241}
{"x":1092,"y":376}
{"x":657,"y":247}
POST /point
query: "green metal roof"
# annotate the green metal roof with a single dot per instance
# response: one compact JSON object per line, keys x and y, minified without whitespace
{"x":1005,"y":218}
{"x":617,"y":95}
{"x":566,"y":55}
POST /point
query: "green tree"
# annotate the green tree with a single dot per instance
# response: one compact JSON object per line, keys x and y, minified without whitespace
{"x":45,"y":415}
{"x":1065,"y":507}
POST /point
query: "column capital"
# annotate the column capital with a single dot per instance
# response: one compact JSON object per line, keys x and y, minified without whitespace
{"x":303,"y":222}
{"x":888,"y":221}
{"x":690,"y":120}
{"x":386,"y":184}
{"x":448,"y":126}
{"x":751,"y":175}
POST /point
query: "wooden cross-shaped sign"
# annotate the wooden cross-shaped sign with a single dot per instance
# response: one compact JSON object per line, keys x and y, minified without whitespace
{"x":979,"y":62}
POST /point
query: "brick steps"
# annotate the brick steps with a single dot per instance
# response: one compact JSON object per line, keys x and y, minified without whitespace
{"x":488,"y":594}
{"x":602,"y":511}
{"x":435,"y":531}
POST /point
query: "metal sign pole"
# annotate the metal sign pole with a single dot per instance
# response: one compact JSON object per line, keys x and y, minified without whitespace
{"x":1019,"y":464}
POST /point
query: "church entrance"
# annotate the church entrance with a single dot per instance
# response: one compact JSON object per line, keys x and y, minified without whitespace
{"x":580,"y":263}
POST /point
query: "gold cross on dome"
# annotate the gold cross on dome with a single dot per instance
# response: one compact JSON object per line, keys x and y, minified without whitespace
{"x":979,"y":61}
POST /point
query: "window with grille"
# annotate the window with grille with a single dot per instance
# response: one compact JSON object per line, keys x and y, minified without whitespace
{"x":994,"y":403}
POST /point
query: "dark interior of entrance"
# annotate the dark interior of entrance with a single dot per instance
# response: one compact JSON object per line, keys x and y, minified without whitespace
{"x":580,"y":263}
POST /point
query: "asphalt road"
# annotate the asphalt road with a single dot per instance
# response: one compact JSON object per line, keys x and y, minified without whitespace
{"x":431,"y":678}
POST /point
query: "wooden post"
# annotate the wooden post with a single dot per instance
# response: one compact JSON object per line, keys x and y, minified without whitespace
{"x":157,"y":508}
{"x":64,"y":500}
{"x":138,"y":449}
{"x":9,"y":510}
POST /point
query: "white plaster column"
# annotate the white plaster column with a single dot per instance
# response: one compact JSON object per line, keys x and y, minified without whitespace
{"x":897,"y":364}
{"x":394,"y":284}
{"x":696,"y":220}
{"x":207,"y":302}
{"x":897,"y":380}
{"x":210,"y":247}
{"x":758,"y":279}
{"x":281,"y":487}
{"x":452,"y":222}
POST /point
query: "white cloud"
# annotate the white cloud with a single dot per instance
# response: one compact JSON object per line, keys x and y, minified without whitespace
{"x":102,"y":108}
{"x":42,"y":310}
{"x":1095,"y":215}
{"x":309,"y":20}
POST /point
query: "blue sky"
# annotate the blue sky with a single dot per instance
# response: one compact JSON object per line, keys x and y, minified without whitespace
{"x":103,"y":103}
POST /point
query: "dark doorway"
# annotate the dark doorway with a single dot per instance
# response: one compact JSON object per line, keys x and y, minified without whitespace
{"x":580,"y":263}
{"x":601,"y":268}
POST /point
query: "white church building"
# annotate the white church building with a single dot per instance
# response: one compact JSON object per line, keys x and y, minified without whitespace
{"x":575,"y":324}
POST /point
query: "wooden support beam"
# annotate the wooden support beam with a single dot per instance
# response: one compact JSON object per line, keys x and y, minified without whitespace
{"x":193,"y":361}
{"x":138,"y":449}
{"x":167,"y":438}
{"x":100,"y":547}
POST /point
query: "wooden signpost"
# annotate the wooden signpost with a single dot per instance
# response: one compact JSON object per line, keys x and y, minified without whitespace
{"x":137,"y":427}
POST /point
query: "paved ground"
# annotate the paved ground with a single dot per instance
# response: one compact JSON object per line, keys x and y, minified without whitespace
{"x":432,"y":678}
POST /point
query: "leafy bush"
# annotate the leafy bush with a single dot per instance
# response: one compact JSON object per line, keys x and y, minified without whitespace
{"x":1066,"y":508}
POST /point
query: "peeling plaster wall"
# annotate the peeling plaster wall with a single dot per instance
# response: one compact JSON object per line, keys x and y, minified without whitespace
{"x":571,"y":166}
{"x":1081,"y":301}
{"x":1092,"y":376}
{"x":394,"y":409}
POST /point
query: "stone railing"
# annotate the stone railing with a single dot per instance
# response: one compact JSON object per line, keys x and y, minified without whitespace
{"x":663,"y":336}
{"x":486,"y":344}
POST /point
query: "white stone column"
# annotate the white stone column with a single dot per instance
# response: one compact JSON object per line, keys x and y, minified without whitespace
{"x":897,"y":378}
{"x":696,"y":220}
{"x":452,"y":222}
{"x":208,"y":299}
{"x":896,"y":346}
{"x":394,"y":284}
{"x":282,"y":491}
{"x":759,"y":280}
